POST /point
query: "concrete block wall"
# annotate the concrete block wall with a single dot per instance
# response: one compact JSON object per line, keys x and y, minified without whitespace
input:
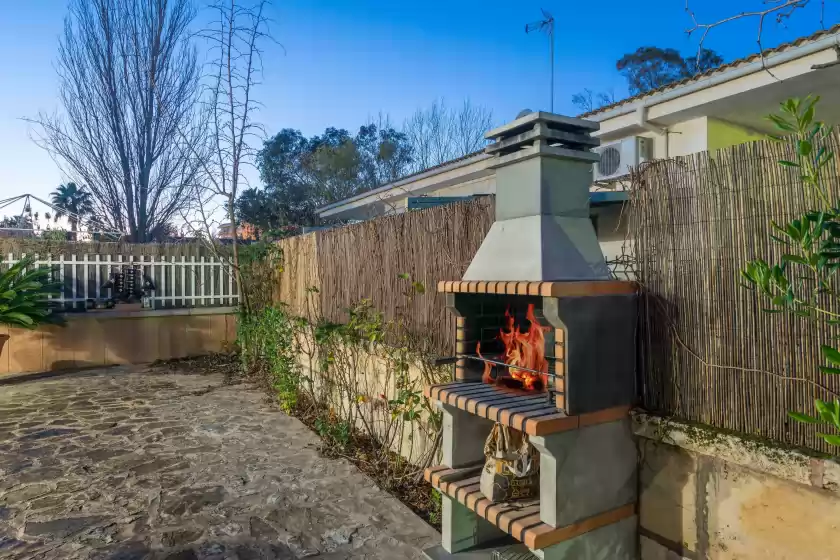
{"x":113,"y":337}
{"x":704,"y":494}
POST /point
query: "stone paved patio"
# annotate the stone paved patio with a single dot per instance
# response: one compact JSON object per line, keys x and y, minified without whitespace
{"x":132,"y":463}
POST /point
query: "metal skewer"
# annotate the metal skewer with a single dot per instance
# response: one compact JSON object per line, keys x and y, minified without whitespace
{"x":498,"y":363}
{"x":549,"y":389}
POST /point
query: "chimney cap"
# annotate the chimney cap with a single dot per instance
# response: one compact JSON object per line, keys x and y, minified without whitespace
{"x":528,"y":121}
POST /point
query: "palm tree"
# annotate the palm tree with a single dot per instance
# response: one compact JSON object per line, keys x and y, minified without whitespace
{"x":73,"y":201}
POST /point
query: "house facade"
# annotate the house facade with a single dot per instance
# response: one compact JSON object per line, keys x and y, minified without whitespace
{"x":727,"y":105}
{"x":719,"y":108}
{"x":247,"y":232}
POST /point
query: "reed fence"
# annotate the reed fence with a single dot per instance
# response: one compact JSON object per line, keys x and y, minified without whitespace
{"x":327,"y":272}
{"x":708,"y":352}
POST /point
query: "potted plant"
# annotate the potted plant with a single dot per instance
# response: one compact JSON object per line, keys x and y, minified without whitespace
{"x":24,"y":297}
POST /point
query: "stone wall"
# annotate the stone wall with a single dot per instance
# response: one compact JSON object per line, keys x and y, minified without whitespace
{"x":706,"y":494}
{"x":374,"y":381}
{"x":114,"y":337}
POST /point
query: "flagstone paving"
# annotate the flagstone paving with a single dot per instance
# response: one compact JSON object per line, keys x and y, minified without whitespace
{"x":136,"y":463}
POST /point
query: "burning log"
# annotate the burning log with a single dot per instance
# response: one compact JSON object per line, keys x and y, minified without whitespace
{"x":523,"y":349}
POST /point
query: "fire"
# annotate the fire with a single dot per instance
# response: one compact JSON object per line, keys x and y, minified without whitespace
{"x":524,"y":349}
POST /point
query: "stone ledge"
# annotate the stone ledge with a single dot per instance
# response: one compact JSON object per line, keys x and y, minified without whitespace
{"x":181,"y":311}
{"x":762,"y":456}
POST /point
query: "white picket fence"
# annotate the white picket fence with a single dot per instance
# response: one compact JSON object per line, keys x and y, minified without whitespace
{"x":179,"y":281}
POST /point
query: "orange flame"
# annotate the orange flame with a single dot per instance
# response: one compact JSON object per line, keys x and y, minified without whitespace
{"x":524,"y":349}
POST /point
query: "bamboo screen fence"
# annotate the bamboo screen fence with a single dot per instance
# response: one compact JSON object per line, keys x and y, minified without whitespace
{"x":365,"y":261}
{"x":709,"y":354}
{"x":298,"y":275}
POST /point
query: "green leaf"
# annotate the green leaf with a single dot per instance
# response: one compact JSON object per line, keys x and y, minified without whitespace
{"x":795,"y":258}
{"x":781,"y":123}
{"x":830,"y":370}
{"x":826,"y":414}
{"x":20,"y":318}
{"x":808,"y":114}
{"x":803,"y":148}
{"x":830,"y":354}
{"x":829,"y":438}
{"x":819,"y":155}
{"x":781,"y":300}
{"x":787,"y":163}
{"x":802,"y":417}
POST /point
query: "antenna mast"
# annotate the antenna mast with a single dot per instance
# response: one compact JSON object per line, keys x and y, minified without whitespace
{"x":546,"y":25}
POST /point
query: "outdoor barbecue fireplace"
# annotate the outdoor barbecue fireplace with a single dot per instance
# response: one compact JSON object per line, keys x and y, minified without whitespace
{"x":545,"y":344}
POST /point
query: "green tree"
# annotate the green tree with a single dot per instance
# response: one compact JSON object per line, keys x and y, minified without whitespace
{"x":73,"y":201}
{"x":300,"y":174}
{"x":289,"y":196}
{"x":649,"y":68}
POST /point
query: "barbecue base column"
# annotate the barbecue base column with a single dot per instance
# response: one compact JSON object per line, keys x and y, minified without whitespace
{"x":586,"y":472}
{"x":464,"y":435}
{"x":462,"y":529}
{"x":614,"y":542}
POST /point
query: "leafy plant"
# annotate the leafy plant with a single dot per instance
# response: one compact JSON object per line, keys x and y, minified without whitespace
{"x":333,"y":430}
{"x":266,"y":343}
{"x":54,"y":235}
{"x":435,"y":512}
{"x":803,"y":282}
{"x":797,"y":123}
{"x":24,"y":295}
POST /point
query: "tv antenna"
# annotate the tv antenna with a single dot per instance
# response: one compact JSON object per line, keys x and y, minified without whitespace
{"x":546,"y":25}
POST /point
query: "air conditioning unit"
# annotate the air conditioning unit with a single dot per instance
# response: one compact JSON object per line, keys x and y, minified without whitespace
{"x":618,"y":158}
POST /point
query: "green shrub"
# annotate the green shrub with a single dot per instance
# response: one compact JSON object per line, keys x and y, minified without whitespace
{"x":24,"y":295}
{"x":54,"y":235}
{"x":267,"y":342}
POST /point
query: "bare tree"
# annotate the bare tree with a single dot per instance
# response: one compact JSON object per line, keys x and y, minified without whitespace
{"x":778,"y":10}
{"x":439,"y":134}
{"x":587,"y":100}
{"x":229,"y":126}
{"x":129,"y":82}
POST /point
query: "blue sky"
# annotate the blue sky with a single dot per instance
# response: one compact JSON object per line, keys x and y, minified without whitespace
{"x":345,"y":61}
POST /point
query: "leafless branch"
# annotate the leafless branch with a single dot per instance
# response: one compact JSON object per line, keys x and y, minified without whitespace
{"x":228,"y":126}
{"x":780,"y":10}
{"x":439,"y":134}
{"x":129,"y":80}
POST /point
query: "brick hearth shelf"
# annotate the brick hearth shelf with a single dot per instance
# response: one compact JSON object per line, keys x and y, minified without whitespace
{"x":521,"y":519}
{"x":527,"y":412}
